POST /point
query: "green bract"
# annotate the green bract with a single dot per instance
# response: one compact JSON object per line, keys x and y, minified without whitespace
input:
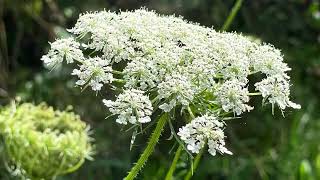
{"x":42,"y":143}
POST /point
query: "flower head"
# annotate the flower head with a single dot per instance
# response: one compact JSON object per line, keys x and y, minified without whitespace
{"x":202,"y":130}
{"x":63,"y":49}
{"x":268,"y":60}
{"x":276,"y":90}
{"x":177,"y":88}
{"x":94,"y":72}
{"x":233,"y":95}
{"x":179,"y":61}
{"x":141,"y":74}
{"x":131,"y":106}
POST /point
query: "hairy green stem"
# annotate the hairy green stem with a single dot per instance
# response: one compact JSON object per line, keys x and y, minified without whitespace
{"x":174,"y":163}
{"x":177,"y":138}
{"x":149,"y":149}
{"x":195,"y":164}
{"x":178,"y":152}
{"x":232,"y":15}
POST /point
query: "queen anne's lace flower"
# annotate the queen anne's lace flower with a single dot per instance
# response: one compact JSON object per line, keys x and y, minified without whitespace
{"x":176,"y":87}
{"x":276,"y":90}
{"x":201,"y":130}
{"x":176,"y":58}
{"x":131,"y":106}
{"x":176,"y":62}
{"x":268,"y":60}
{"x":181,"y":59}
{"x":94,"y":72}
{"x":233,"y":95}
{"x":63,"y":49}
{"x":141,"y":74}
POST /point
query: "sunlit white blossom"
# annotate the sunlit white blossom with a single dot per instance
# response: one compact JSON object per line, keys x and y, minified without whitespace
{"x":176,"y":58}
{"x":141,"y":74}
{"x":95,"y":72}
{"x":202,"y":130}
{"x":276,"y":90}
{"x":176,"y":87}
{"x":268,"y":60}
{"x":131,"y":106}
{"x":63,"y":49}
{"x":233,"y":95}
{"x":180,"y":64}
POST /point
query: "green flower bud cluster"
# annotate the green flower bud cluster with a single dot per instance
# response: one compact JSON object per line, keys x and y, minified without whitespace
{"x":43,"y":143}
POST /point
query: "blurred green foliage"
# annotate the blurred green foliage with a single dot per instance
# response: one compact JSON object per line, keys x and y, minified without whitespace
{"x":265,"y":146}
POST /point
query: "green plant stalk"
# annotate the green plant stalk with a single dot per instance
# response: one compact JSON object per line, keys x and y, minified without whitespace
{"x":195,"y":164}
{"x":190,"y":112}
{"x":232,"y":15}
{"x":149,"y":149}
{"x":178,"y":152}
{"x":174,"y":163}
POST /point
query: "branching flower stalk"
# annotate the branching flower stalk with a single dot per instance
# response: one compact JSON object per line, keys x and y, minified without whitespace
{"x":162,"y":65}
{"x":150,"y":147}
{"x":174,"y":163}
{"x":195,"y":165}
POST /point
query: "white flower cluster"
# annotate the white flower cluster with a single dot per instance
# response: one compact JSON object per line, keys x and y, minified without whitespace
{"x":202,"y":130}
{"x":141,"y":74}
{"x":178,"y":88}
{"x":232,"y":95}
{"x":94,"y":72}
{"x":63,"y":49}
{"x":177,"y":62}
{"x":131,"y":106}
{"x":178,"y":58}
{"x":276,"y":89}
{"x":268,"y":60}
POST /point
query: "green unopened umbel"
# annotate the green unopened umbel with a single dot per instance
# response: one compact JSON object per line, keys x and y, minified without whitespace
{"x":42,"y":143}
